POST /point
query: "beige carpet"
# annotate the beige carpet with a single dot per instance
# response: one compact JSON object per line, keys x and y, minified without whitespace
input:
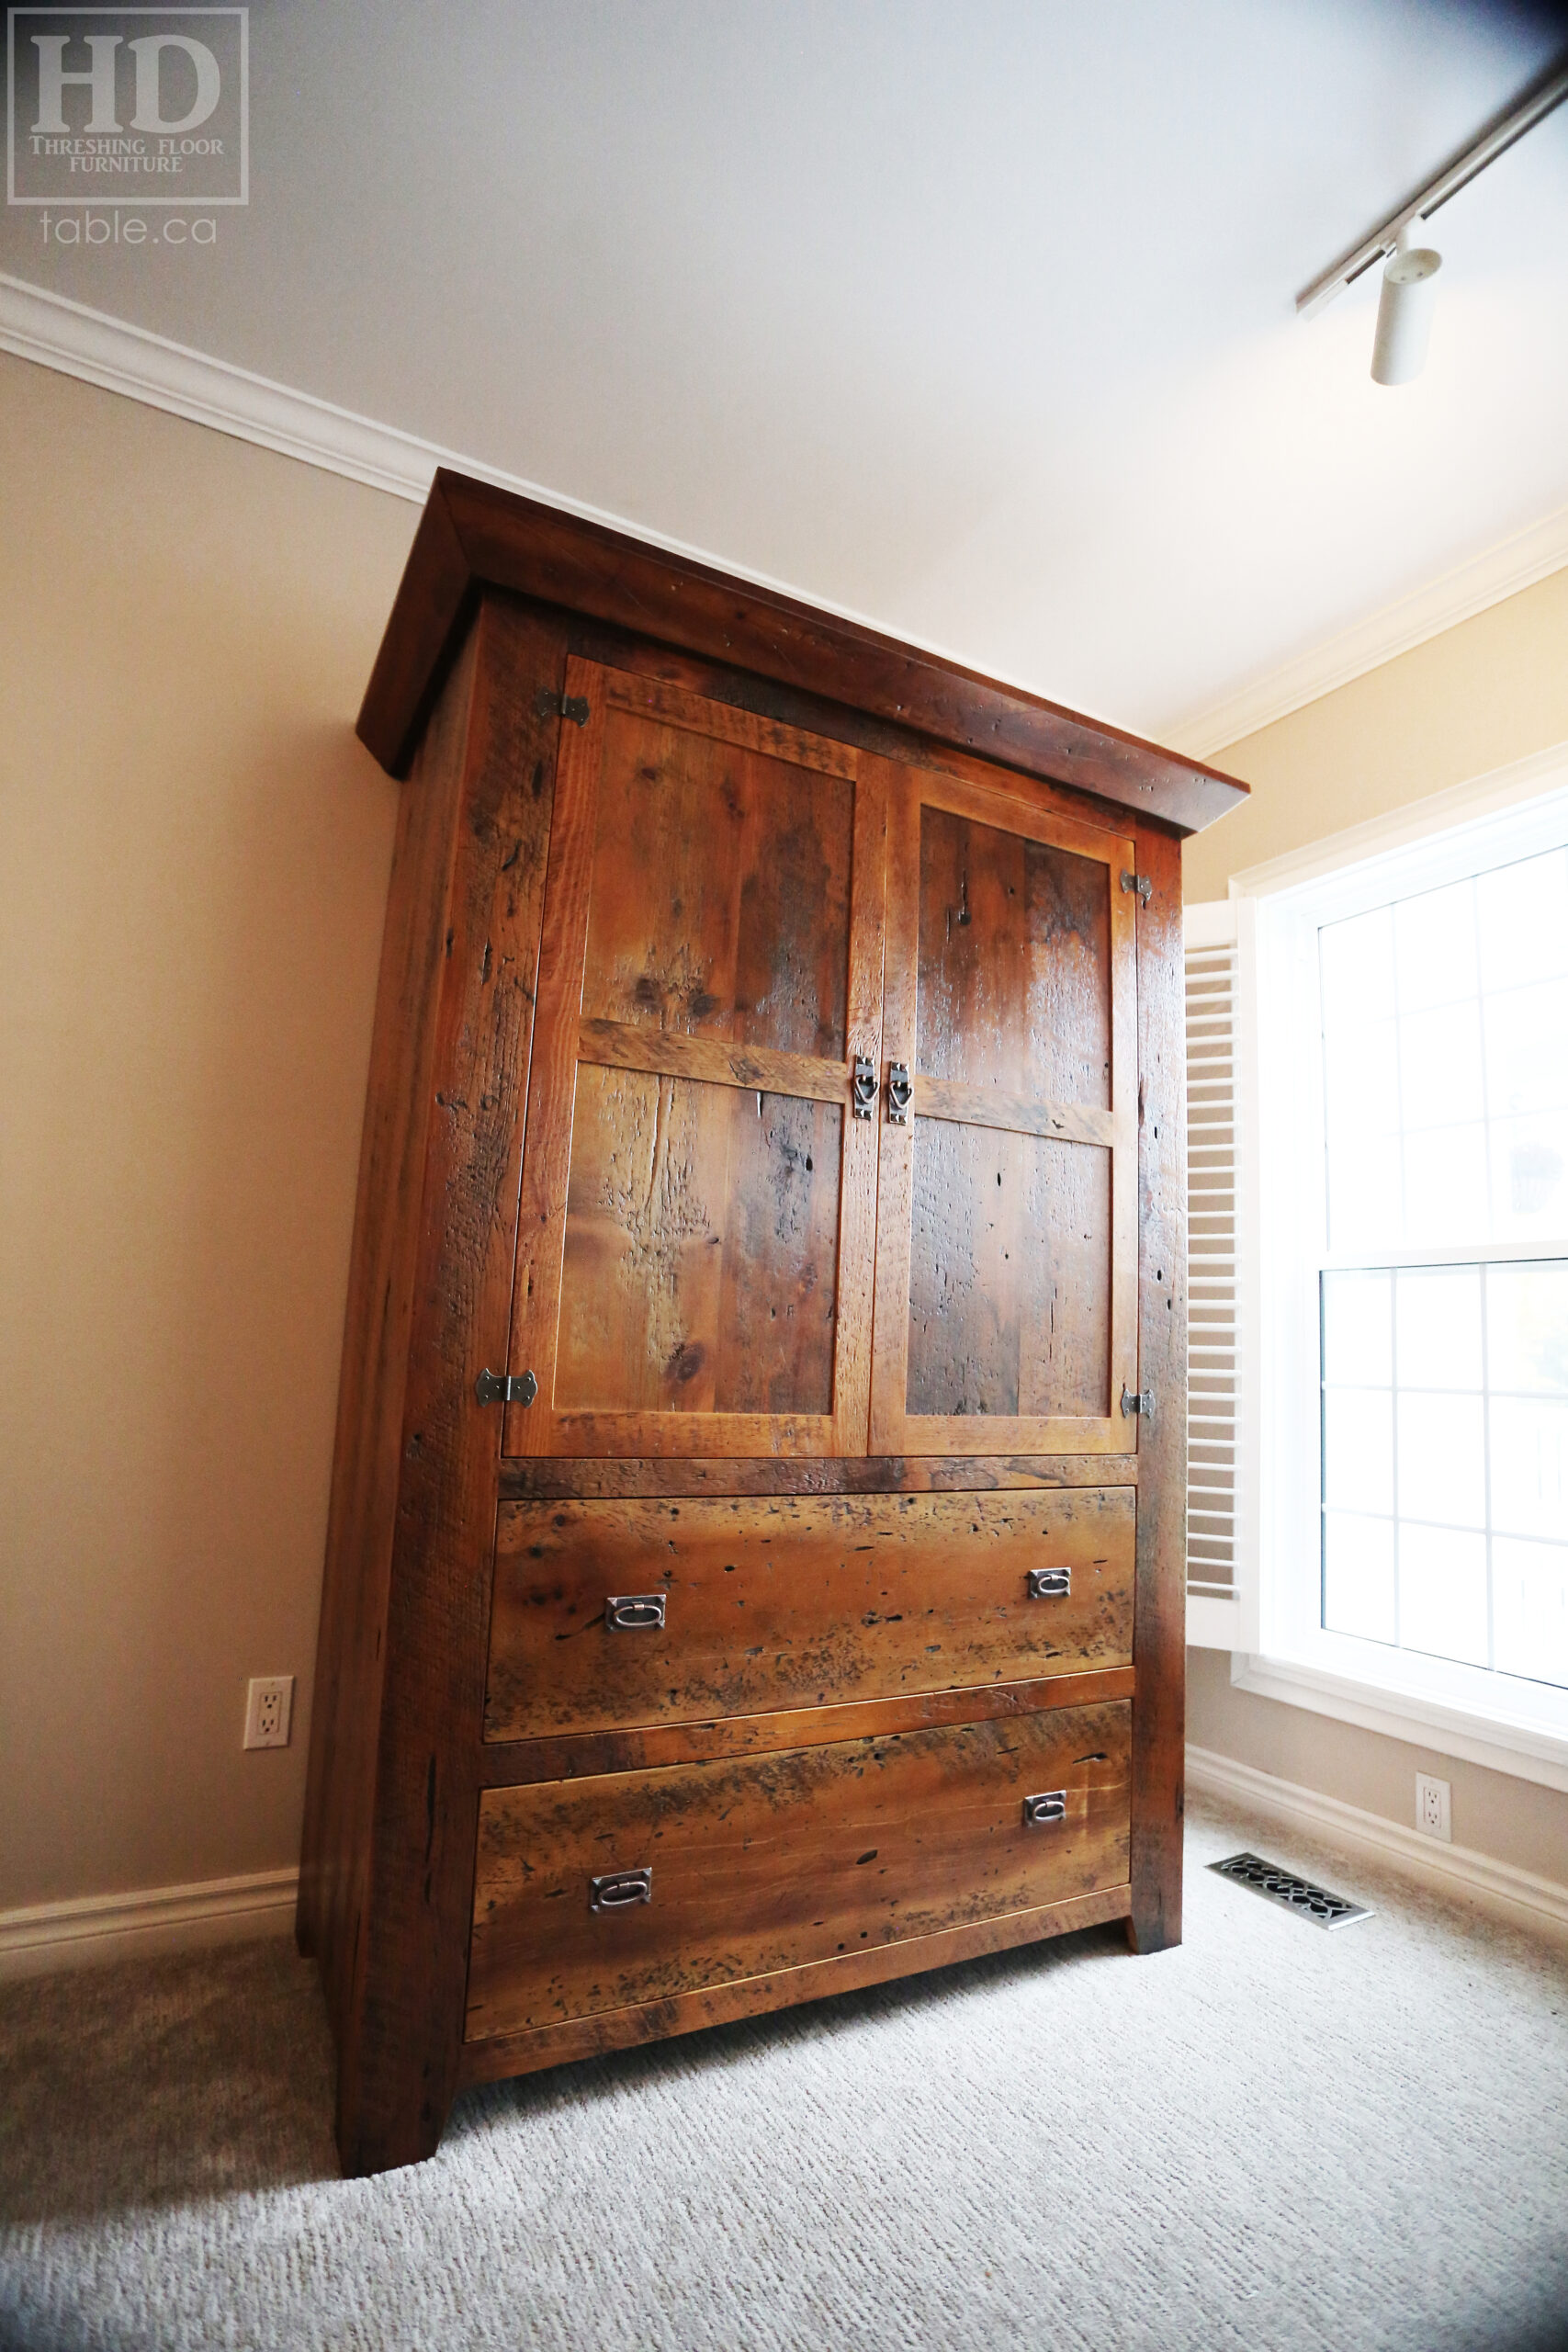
{"x":1274,"y":2137}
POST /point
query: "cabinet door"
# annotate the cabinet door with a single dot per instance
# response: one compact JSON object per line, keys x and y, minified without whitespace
{"x":696,"y":1240}
{"x":1007,"y":1244}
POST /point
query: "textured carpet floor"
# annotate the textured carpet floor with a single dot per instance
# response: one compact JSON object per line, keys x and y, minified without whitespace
{"x":1272,"y":2138}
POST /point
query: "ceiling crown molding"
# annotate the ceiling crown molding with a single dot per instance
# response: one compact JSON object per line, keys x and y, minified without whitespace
{"x":55,"y":333}
{"x":1470,"y":587}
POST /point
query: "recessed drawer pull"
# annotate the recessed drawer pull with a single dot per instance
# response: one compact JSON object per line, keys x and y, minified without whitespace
{"x":1041,"y":1811}
{"x":634,"y":1612}
{"x":619,"y":1890}
{"x":1049,"y":1584}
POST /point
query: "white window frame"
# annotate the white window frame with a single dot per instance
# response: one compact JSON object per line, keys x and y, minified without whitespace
{"x":1513,"y":1726}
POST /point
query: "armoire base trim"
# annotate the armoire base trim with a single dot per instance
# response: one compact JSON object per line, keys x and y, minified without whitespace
{"x":553,"y":2045}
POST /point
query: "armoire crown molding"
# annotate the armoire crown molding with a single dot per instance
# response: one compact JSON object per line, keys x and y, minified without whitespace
{"x":56,"y":333}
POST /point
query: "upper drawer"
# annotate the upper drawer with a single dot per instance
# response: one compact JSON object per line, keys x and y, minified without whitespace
{"x":790,"y":1602}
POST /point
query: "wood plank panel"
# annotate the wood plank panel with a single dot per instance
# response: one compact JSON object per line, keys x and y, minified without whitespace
{"x":345,"y":1716}
{"x":796,"y":1602}
{"x":525,"y":2054}
{"x":1011,"y":1276}
{"x":1006,"y":1253}
{"x":701,"y":1252}
{"x":707,"y":1062}
{"x":1160,"y":1640}
{"x":719,"y":896}
{"x":778,"y":1862}
{"x":398,"y":2043}
{"x":989,"y":1107}
{"x":571,"y":1756}
{"x":542,"y":1479}
{"x":712,"y":958}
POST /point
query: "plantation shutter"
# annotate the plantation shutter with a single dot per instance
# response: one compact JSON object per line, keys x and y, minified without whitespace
{"x":1216,"y":1566}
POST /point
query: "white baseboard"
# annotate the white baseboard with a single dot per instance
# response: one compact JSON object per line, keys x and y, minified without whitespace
{"x":98,"y":1928}
{"x":1518,"y":1896}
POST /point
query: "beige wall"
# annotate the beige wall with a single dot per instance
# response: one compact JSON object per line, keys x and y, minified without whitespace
{"x":1478,"y":697}
{"x":195,"y":855}
{"x":1492,"y":691}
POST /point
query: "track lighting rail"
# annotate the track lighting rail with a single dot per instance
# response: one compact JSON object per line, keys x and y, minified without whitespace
{"x":1532,"y":106}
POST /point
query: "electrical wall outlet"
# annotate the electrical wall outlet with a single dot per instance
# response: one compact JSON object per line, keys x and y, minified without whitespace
{"x":1432,"y":1815}
{"x":269,"y":1710}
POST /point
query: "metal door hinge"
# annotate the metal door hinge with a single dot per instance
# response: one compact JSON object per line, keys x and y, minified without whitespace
{"x":1141,"y":884}
{"x":1049,"y":1584}
{"x":1134,"y":1400}
{"x":506,"y":1389}
{"x":1050,"y":1806}
{"x":900,"y":1092}
{"x":553,"y":705}
{"x":863,"y":1088}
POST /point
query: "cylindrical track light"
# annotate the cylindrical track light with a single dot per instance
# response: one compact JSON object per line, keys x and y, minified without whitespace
{"x":1404,"y":309}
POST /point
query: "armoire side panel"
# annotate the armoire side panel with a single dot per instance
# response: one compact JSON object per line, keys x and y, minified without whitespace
{"x":398,"y":2039}
{"x":345,"y":1706}
{"x":1159,"y":1655}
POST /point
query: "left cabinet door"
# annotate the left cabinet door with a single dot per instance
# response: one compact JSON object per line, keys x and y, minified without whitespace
{"x":696,"y":1238}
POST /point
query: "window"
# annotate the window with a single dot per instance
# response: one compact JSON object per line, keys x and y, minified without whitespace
{"x":1407,"y":1241}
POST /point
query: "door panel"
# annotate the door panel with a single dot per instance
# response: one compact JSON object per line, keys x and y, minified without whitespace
{"x":695,"y":1274}
{"x":1014,"y":987}
{"x":702,"y":1241}
{"x":1010,"y":1273}
{"x":1007,"y":1244}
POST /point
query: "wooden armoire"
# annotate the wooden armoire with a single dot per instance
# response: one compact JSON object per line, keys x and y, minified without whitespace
{"x":756,"y":1554}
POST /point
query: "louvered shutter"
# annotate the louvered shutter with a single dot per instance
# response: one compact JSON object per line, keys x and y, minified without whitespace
{"x":1217,"y":1368}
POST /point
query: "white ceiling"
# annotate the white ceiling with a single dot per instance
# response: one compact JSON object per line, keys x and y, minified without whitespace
{"x":974,"y":317}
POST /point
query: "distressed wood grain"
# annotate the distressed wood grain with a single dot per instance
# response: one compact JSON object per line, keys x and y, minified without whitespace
{"x":400,"y":1961}
{"x":797,"y":1601}
{"x":699,"y":1207}
{"x":542,"y":1480}
{"x":493,"y":538}
{"x":570,"y":1755}
{"x":777,"y":1861}
{"x":1159,"y":1636}
{"x":554,"y":2045}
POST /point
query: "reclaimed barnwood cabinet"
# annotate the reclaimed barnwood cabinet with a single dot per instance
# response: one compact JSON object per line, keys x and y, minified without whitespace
{"x":755,"y":1559}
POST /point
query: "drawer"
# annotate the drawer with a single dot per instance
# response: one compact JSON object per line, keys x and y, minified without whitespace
{"x":752,"y":1605}
{"x":784,"y":1860}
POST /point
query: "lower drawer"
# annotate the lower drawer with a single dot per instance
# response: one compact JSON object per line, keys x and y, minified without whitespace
{"x":781,"y":1860}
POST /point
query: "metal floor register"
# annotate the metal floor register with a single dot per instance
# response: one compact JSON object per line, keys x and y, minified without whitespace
{"x":1297,"y":1894}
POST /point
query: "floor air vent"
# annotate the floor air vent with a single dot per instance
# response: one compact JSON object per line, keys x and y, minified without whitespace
{"x":1297,"y":1894}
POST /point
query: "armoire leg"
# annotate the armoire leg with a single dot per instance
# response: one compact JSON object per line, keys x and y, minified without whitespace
{"x":389,"y":2124}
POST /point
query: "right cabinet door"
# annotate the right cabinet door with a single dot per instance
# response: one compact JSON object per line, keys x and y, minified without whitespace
{"x":1005,"y":1308}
